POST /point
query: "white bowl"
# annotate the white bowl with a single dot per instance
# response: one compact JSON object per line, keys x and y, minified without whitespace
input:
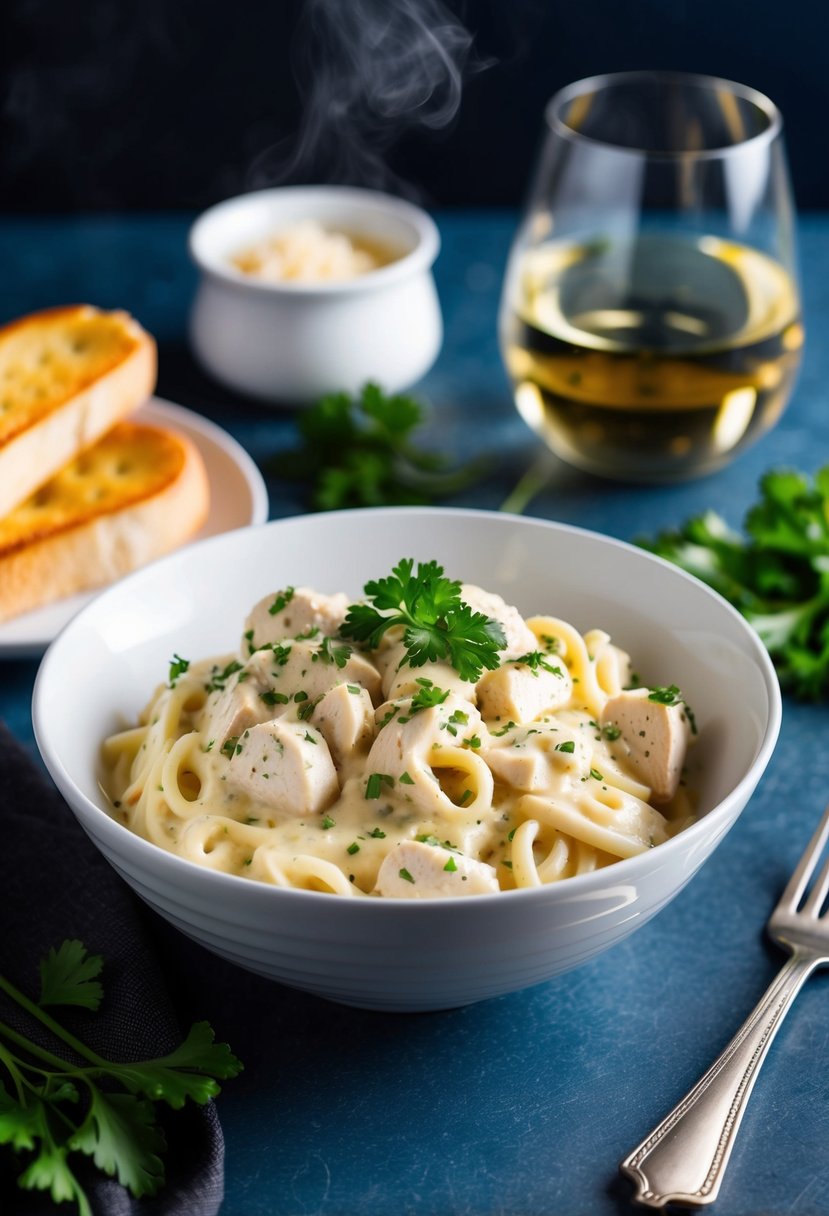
{"x":294,"y":342}
{"x":399,"y":954}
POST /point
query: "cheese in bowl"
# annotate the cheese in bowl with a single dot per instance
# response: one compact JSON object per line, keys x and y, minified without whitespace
{"x":427,"y":742}
{"x":307,"y":252}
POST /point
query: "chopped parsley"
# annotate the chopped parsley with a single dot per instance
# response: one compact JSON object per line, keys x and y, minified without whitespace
{"x":671,"y":695}
{"x":405,"y":875}
{"x":405,"y":779}
{"x":567,"y":746}
{"x":536,"y":661}
{"x":178,"y":666}
{"x":427,"y":696}
{"x":218,"y":679}
{"x":451,"y":865}
{"x":282,"y":600}
{"x":274,"y":698}
{"x":375,"y":782}
{"x":330,"y":651}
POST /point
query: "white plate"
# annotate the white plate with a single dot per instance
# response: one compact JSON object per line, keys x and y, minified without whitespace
{"x":237,"y":497}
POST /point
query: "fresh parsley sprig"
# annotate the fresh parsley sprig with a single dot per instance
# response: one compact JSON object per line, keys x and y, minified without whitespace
{"x":360,"y":452}
{"x":776,"y":573}
{"x":52,"y":1109}
{"x":438,"y":625}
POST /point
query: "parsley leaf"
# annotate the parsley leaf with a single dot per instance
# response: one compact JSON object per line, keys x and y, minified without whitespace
{"x":776,"y":572}
{"x":81,"y":1103}
{"x":438,"y":625}
{"x":68,"y":976}
{"x":178,"y":666}
{"x":359,"y":452}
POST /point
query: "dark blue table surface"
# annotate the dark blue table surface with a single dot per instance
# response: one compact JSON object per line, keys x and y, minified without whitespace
{"x":524,"y":1104}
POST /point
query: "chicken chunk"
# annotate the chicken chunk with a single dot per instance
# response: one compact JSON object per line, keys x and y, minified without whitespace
{"x":288,"y":613}
{"x":520,"y":638}
{"x":422,"y":744}
{"x":315,"y":666}
{"x":528,"y":770}
{"x":402,"y":680}
{"x":414,"y":870}
{"x":285,"y":766}
{"x":242,"y":698}
{"x":655,"y":735}
{"x":345,"y":718}
{"x":516,"y":692}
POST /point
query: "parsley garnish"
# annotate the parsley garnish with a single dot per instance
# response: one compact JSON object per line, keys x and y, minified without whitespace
{"x":218,"y":679}
{"x":377,"y":834}
{"x":776,"y":573}
{"x":328,"y":822}
{"x":331,"y":652}
{"x":672,"y":696}
{"x":567,"y":746}
{"x":86,"y":1104}
{"x":405,"y":875}
{"x":451,"y":865}
{"x":405,"y":779}
{"x":611,"y":731}
{"x":282,"y":600}
{"x":427,"y":696}
{"x":375,"y":783}
{"x":178,"y":666}
{"x":359,"y":452}
{"x":536,"y":661}
{"x":666,"y":696}
{"x":274,"y":698}
{"x":438,"y":625}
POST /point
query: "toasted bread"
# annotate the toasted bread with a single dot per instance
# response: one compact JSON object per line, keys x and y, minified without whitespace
{"x":137,"y":493}
{"x":66,"y":376}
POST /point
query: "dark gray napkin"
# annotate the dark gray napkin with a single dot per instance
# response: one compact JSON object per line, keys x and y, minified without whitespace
{"x":55,"y":885}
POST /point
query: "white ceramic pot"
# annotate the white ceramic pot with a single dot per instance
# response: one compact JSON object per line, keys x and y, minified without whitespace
{"x":293,"y":342}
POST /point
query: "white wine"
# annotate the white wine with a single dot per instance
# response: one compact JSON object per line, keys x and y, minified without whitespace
{"x":653,"y":358}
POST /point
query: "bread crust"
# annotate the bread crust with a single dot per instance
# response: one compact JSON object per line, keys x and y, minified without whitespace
{"x":94,"y":548}
{"x":66,"y":376}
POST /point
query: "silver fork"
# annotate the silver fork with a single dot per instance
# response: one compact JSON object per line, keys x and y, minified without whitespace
{"x":684,"y":1158}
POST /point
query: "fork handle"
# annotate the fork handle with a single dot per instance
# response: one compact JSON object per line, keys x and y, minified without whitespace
{"x":684,"y":1158}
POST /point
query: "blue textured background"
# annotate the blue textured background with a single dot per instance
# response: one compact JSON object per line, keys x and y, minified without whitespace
{"x":525,"y":1104}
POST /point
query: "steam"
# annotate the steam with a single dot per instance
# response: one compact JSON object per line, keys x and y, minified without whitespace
{"x":369,"y":72}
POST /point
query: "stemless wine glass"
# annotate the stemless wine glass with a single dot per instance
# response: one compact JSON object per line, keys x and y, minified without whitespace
{"x":650,"y":321}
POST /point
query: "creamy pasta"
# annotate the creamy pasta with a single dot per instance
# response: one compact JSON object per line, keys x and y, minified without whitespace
{"x":306,"y":761}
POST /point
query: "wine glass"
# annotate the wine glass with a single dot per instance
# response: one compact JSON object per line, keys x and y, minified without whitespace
{"x":650,"y":319}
